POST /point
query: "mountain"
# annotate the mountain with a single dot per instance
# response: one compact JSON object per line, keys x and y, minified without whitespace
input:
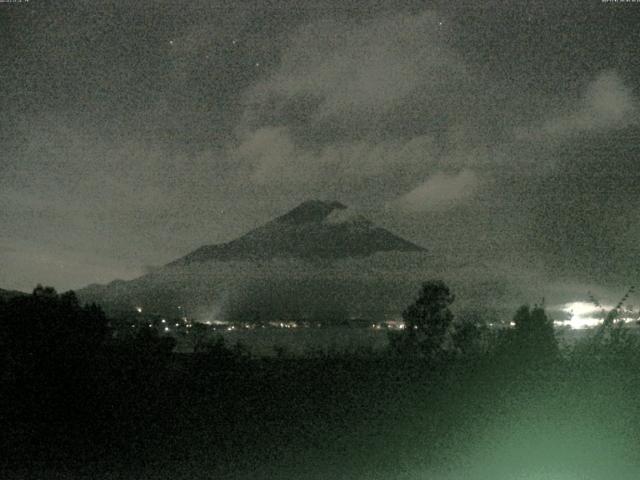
{"x":314,"y":229}
{"x":319,"y":260}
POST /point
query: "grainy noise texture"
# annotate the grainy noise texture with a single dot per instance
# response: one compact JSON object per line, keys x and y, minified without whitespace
{"x":504,"y":135}
{"x":319,"y":239}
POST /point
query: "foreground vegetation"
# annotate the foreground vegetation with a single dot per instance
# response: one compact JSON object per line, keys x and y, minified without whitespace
{"x":447,"y":400}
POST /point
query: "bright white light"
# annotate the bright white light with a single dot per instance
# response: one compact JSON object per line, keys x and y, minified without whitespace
{"x":583,"y":314}
{"x":166,"y":329}
{"x":139,"y":309}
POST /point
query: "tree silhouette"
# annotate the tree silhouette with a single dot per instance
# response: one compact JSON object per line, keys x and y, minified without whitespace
{"x":427,"y":320}
{"x":532,"y":339}
{"x":471,"y":336}
{"x":612,"y":341}
{"x":45,"y":335}
{"x":52,"y":356}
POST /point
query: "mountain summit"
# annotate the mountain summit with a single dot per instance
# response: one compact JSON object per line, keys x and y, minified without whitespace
{"x":311,"y":211}
{"x":313,"y":229}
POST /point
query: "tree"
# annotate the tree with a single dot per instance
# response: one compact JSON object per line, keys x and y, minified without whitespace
{"x":52,"y":353}
{"x":532,"y":338}
{"x":45,"y":335}
{"x":427,"y":320}
{"x":471,"y":335}
{"x":612,"y":341}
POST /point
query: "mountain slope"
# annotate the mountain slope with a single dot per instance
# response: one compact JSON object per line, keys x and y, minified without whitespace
{"x":8,"y":294}
{"x":314,"y":229}
{"x":271,"y":272}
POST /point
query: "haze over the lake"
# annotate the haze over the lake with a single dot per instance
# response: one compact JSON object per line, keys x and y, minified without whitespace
{"x":503,"y":138}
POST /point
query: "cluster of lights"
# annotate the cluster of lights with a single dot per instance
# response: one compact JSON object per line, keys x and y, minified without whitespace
{"x":163,"y":322}
{"x":388,"y":326}
{"x":283,"y":324}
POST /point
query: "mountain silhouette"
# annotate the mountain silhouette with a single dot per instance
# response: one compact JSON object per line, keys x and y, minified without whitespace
{"x":319,"y":260}
{"x":313,"y":229}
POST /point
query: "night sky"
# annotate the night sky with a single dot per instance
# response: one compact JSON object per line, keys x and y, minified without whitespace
{"x":504,"y":135}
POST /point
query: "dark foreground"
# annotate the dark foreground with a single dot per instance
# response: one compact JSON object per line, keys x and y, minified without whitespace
{"x":336,"y":418}
{"x":77,"y":403}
